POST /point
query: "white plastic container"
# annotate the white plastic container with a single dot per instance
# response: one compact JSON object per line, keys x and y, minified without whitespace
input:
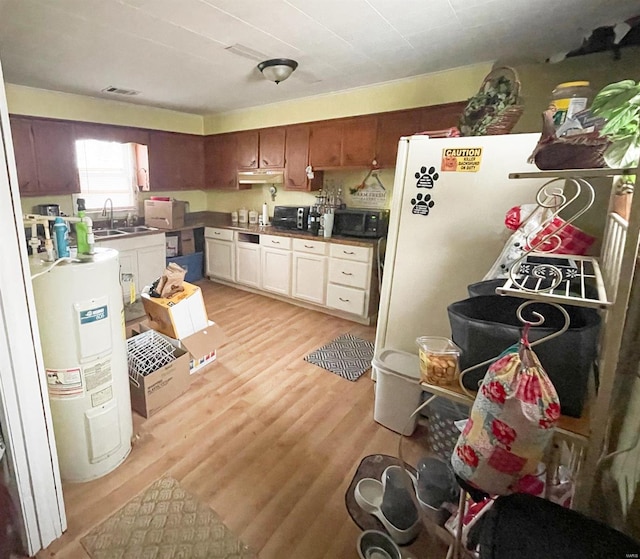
{"x":398,"y":390}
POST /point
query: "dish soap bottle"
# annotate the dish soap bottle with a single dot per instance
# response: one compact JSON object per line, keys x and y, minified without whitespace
{"x":82,"y":231}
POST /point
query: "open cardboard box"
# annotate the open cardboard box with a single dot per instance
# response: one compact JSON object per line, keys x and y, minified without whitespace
{"x":183,"y":318}
{"x":152,"y":392}
{"x":179,"y":316}
{"x":202,"y":345}
{"x":164,"y":214}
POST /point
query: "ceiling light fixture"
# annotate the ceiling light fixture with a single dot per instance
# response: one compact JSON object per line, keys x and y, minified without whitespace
{"x":277,"y":69}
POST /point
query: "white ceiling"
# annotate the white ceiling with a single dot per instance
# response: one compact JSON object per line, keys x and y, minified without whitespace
{"x":174,"y":51}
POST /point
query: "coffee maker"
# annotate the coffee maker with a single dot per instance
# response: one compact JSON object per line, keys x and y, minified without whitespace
{"x":314,"y":220}
{"x":47,"y":209}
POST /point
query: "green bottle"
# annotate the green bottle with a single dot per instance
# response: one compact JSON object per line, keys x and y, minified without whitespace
{"x":82,"y":233}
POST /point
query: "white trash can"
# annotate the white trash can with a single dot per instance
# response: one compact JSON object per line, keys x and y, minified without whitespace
{"x":398,"y":390}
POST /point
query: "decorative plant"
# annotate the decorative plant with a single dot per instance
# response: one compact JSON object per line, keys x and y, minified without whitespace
{"x":619,"y":104}
{"x":484,"y":106}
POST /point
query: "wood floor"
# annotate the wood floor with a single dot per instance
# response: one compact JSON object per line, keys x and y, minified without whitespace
{"x":269,"y":441}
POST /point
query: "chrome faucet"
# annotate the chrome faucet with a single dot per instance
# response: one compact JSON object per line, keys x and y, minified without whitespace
{"x":104,"y":211}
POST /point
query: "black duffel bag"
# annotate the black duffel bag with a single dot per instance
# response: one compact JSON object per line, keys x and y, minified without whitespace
{"x":484,"y":326}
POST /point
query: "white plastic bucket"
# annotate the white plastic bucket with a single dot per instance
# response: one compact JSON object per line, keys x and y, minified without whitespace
{"x":398,"y":390}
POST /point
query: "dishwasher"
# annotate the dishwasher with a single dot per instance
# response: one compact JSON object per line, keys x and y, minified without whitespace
{"x":248,"y":259}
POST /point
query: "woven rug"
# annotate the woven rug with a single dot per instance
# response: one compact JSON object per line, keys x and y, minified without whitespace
{"x":346,"y":356}
{"x":164,"y":522}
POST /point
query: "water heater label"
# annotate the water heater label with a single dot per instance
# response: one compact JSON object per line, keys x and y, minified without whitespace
{"x":97,"y":374}
{"x":93,"y":315}
{"x":102,"y":396}
{"x":64,"y":382}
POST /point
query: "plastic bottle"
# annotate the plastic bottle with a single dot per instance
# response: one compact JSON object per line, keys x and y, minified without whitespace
{"x":82,"y":233}
{"x":265,"y":214}
{"x":61,"y":236}
{"x":568,"y":99}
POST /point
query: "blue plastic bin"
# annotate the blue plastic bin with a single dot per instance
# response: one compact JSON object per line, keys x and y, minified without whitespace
{"x":192,"y":263}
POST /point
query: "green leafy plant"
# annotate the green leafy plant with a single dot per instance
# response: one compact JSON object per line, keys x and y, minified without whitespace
{"x":483,"y":108}
{"x":619,"y":104}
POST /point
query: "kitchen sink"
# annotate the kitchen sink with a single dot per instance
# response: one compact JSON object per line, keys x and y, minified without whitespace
{"x":107,"y":232}
{"x":136,"y":229}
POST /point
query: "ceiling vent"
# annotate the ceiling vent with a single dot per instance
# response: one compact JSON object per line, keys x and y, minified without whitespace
{"x":120,"y":91}
{"x":246,"y":52}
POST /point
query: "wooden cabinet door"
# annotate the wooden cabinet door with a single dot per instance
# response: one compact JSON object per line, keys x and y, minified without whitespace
{"x":220,"y":259}
{"x":248,"y":264}
{"x":272,"y":142}
{"x":25,"y":156}
{"x":55,"y":151}
{"x":176,"y":161}
{"x":221,"y":169}
{"x":247,"y":149}
{"x":391,"y":127}
{"x":297,"y":160}
{"x":309,"y":277}
{"x":438,"y":117}
{"x":359,"y":141}
{"x":276,"y":270}
{"x":325,"y":145}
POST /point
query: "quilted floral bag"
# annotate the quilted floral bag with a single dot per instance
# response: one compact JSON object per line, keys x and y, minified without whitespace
{"x":510,"y":425}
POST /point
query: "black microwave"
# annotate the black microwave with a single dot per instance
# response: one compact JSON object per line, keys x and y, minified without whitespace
{"x":361,"y":222}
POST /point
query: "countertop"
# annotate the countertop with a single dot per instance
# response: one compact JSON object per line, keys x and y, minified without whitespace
{"x":222,"y":220}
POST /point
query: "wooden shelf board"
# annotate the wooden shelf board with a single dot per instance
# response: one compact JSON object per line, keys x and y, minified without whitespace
{"x":572,"y":173}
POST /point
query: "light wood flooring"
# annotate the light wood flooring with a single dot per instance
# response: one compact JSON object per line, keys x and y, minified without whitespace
{"x":266,"y":439}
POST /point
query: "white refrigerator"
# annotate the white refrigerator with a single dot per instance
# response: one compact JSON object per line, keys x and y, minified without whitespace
{"x":447,"y":227}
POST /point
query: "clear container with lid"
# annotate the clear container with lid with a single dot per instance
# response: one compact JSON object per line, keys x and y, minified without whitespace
{"x":569,"y":98}
{"x":439,"y":359}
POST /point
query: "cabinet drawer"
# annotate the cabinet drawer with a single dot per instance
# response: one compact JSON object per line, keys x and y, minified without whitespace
{"x":217,"y":233}
{"x":350,"y":252}
{"x":347,"y":272}
{"x":311,"y":247}
{"x":345,"y":299}
{"x":274,"y":241}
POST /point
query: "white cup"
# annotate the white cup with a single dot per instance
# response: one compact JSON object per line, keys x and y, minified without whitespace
{"x":234,"y":217}
{"x":327,"y":220}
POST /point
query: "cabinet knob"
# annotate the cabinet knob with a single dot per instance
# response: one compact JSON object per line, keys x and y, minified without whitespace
{"x":265,"y":162}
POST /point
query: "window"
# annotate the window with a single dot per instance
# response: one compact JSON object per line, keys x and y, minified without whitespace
{"x":107,"y":170}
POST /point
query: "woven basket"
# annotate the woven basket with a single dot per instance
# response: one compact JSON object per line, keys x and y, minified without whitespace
{"x":501,"y":122}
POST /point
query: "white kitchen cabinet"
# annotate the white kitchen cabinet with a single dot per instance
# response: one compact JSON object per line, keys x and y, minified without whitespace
{"x":349,"y":278}
{"x":142,"y":258}
{"x":248,"y":260}
{"x":309,"y":274}
{"x":276,"y":264}
{"x":220,"y":254}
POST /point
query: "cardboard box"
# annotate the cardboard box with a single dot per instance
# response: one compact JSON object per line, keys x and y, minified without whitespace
{"x":180,"y":316}
{"x":202,"y":346}
{"x":171,"y":242}
{"x":187,"y":243}
{"x":164,"y":214}
{"x":150,"y":393}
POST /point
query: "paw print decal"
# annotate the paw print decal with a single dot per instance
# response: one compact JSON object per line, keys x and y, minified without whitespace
{"x":422,"y":205}
{"x":427,"y":178}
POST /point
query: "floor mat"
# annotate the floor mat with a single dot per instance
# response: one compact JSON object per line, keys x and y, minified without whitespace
{"x":164,"y":522}
{"x":346,"y":356}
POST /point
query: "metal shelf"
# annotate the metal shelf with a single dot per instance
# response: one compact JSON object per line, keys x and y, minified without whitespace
{"x":586,"y":289}
{"x":572,"y":173}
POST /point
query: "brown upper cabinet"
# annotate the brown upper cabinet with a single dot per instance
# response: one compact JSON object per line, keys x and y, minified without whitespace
{"x":272,"y":142}
{"x":247,"y":149}
{"x":221,"y":164}
{"x":439,"y":117}
{"x":347,"y":142}
{"x":45,"y":156}
{"x":297,"y":160}
{"x":391,"y":127}
{"x":176,"y":161}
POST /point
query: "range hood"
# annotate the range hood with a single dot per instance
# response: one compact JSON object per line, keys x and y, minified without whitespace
{"x":261,"y":176}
